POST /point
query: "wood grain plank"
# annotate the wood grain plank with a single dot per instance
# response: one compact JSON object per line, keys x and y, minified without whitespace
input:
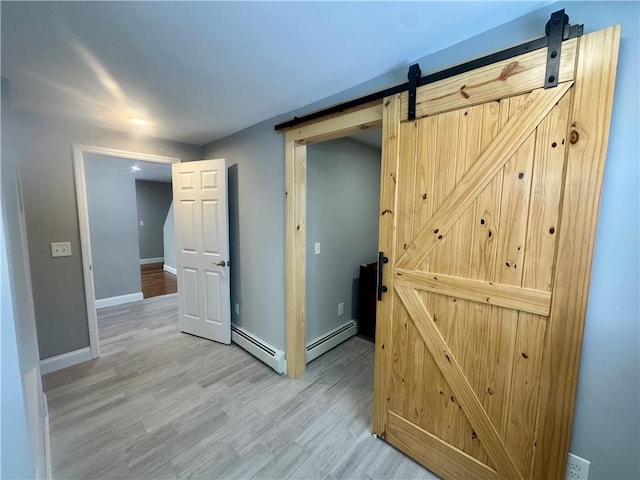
{"x":479,"y":340}
{"x":511,"y":77}
{"x":386,"y":242}
{"x":471,"y":406}
{"x":431,"y":400}
{"x":546,"y":189}
{"x":458,"y":257}
{"x":516,"y":189}
{"x":443,"y":167}
{"x":491,"y":339}
{"x":487,"y":205}
{"x":442,"y":458}
{"x":501,"y":149}
{"x":539,"y":257}
{"x":446,"y":419}
{"x":402,"y":364}
{"x":520,"y":436}
{"x":494,"y":330}
{"x":427,"y":140}
{"x":415,"y":401}
{"x":589,"y":135}
{"x":510,"y":239}
{"x":337,"y":127}
{"x":469,"y":150}
{"x":517,"y":298}
{"x":406,"y":179}
{"x":296,"y":211}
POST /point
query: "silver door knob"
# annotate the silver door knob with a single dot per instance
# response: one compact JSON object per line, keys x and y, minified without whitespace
{"x":222,"y":263}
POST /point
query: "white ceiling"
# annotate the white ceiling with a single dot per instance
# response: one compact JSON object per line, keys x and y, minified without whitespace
{"x":202,"y":70}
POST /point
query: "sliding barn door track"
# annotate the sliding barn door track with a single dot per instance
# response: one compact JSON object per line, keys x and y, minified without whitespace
{"x":557,"y":30}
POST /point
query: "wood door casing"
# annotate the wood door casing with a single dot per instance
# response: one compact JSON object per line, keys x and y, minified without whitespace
{"x":474,"y":205}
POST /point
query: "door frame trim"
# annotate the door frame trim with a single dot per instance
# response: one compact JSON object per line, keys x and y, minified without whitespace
{"x":79,"y":152}
{"x":296,"y":141}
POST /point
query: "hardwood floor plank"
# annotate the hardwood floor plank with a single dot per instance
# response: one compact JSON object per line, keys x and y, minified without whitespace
{"x":162,"y":404}
{"x":156,"y":281}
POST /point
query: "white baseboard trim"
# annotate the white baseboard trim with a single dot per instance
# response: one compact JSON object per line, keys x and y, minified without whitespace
{"x":257,"y":347}
{"x":333,"y":338}
{"x":147,"y":261}
{"x":119,"y":300}
{"x":169,"y":269}
{"x":65,"y":360}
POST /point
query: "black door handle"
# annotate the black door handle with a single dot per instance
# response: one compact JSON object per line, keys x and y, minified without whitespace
{"x":381,"y":261}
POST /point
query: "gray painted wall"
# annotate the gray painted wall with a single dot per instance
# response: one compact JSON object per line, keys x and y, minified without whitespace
{"x":343,"y":195}
{"x":607,"y":422}
{"x":255,"y":159}
{"x":44,"y":152}
{"x":153,"y":200}
{"x":113,"y":224}
{"x":169,"y":238}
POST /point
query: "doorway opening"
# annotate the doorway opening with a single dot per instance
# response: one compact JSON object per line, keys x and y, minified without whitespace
{"x":296,"y":141}
{"x":113,"y":166}
{"x":343,"y":195}
{"x":156,"y":228}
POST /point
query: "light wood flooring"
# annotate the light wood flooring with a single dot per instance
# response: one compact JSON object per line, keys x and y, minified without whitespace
{"x":156,"y":281}
{"x":162,"y":404}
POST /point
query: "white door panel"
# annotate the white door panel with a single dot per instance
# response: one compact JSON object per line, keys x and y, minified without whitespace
{"x":202,"y":243}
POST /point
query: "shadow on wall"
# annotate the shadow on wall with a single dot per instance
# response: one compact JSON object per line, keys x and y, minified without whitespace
{"x":355,"y":298}
{"x":234,"y":241}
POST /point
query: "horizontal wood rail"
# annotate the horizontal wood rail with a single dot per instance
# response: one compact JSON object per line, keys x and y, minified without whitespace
{"x":508,"y":296}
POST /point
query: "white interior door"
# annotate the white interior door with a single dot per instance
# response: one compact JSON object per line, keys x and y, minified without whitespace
{"x":202,"y":244}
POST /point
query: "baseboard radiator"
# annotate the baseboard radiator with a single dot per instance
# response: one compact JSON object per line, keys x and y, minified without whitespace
{"x":258,"y":348}
{"x":335,"y":337}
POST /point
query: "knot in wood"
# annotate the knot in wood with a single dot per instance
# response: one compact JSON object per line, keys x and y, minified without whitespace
{"x":508,"y":71}
{"x":574,"y":136}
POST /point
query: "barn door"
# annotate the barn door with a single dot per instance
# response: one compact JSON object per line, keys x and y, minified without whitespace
{"x":488,"y":210}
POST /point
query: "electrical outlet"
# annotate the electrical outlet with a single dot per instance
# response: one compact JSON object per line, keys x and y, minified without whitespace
{"x":317,"y":248}
{"x":237,"y":306}
{"x":577,"y":468}
{"x":340,"y":309}
{"x":61,"y":249}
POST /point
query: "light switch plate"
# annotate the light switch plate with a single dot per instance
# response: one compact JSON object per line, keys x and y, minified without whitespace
{"x":61,"y":249}
{"x":317,"y":248}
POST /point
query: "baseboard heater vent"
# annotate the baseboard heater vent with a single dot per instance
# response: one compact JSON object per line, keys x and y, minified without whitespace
{"x":335,"y":337}
{"x":258,"y":348}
